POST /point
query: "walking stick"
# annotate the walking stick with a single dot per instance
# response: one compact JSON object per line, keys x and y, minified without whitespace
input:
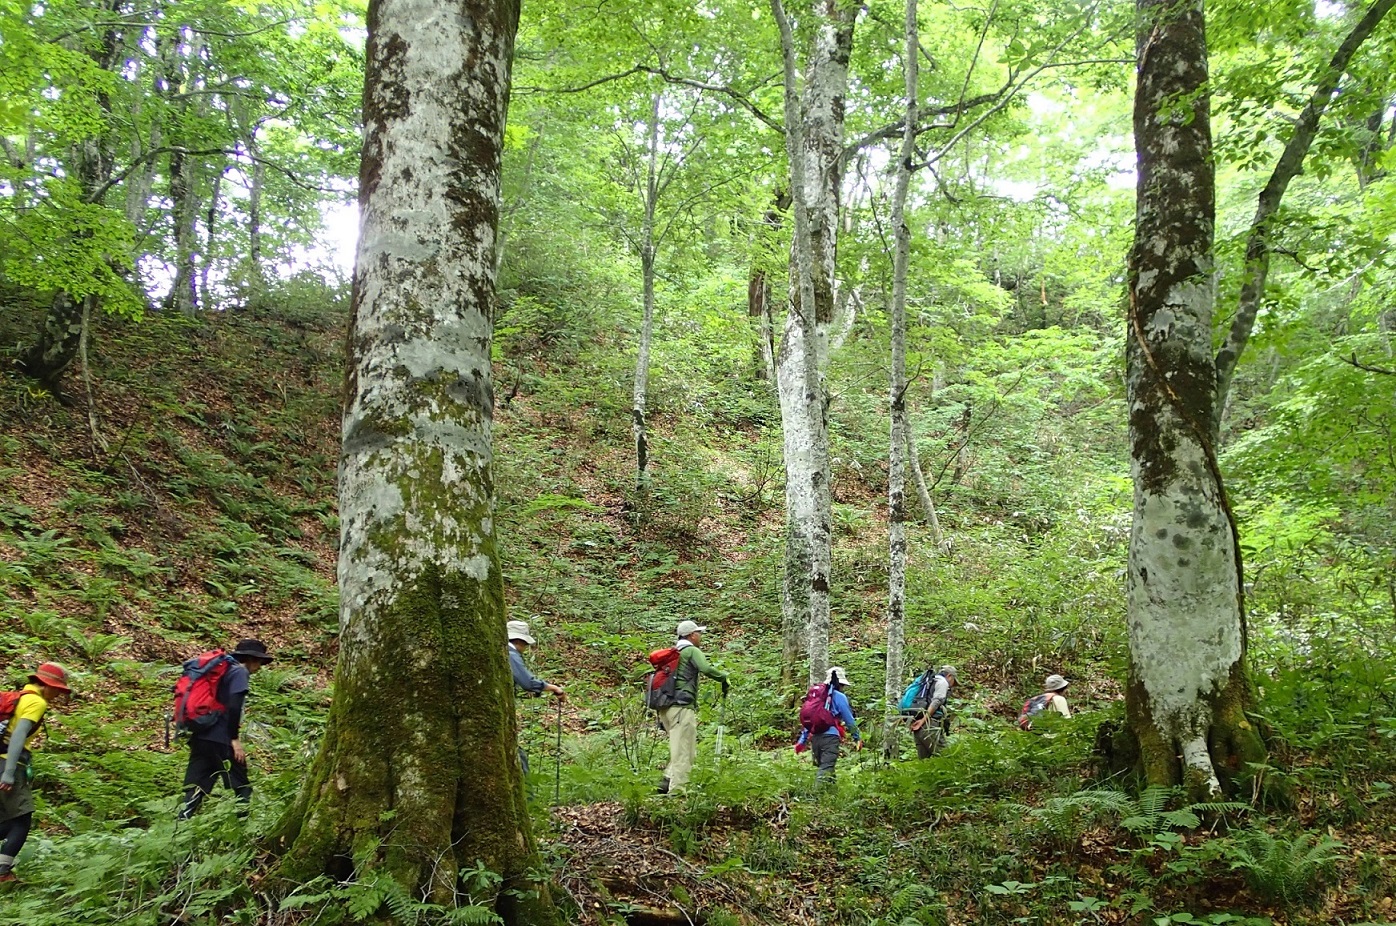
{"x":557,"y":767}
{"x":721,"y":725}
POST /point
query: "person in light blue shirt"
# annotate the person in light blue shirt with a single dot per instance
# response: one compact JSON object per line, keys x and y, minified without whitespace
{"x":524,"y":680}
{"x":824,"y":739}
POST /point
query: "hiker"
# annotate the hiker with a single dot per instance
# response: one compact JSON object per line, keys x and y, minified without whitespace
{"x":215,"y":749}
{"x":519,"y":642}
{"x":680,"y":720}
{"x":1051,"y":699}
{"x":47,"y":684}
{"x":923,"y":705}
{"x":825,"y":718}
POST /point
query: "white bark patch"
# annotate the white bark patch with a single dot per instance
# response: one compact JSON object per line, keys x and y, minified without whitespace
{"x":1184,"y":626}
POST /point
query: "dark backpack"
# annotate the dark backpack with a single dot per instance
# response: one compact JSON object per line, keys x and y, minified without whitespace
{"x":1031,"y":708}
{"x":816,"y":715}
{"x":660,"y":682}
{"x":196,"y":704}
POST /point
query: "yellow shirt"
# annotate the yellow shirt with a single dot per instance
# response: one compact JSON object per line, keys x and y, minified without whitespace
{"x":31,"y":707}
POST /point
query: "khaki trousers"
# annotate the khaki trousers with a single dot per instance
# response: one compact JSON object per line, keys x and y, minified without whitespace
{"x":681,"y":723}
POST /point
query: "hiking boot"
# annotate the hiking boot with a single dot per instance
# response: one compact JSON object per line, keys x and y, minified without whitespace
{"x":663,"y":786}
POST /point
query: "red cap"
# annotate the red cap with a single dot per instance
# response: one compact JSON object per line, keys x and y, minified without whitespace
{"x":51,"y":674}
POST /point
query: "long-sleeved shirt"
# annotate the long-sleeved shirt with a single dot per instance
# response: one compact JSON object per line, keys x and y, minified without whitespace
{"x":840,"y":708}
{"x":15,"y":735}
{"x":692,"y":662}
{"x":524,"y":680}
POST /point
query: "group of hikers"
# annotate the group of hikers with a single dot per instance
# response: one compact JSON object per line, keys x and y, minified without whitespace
{"x":826,"y":715}
{"x":212,"y":690}
{"x":209,"y":700}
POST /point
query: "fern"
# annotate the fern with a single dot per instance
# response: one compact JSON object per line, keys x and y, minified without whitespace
{"x":1288,"y":869}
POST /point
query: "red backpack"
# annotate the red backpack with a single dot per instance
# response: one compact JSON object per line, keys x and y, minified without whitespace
{"x":660,"y":682}
{"x":9,"y":703}
{"x":1031,"y":708}
{"x":196,"y":704}
{"x":816,"y":714}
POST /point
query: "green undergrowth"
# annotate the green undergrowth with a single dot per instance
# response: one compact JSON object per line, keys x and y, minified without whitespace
{"x":205,"y":512}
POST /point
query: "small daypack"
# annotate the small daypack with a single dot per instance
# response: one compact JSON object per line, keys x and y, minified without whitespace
{"x":917,"y":696}
{"x":661,"y":681}
{"x":1031,"y":708}
{"x":816,"y":714}
{"x":196,"y":704}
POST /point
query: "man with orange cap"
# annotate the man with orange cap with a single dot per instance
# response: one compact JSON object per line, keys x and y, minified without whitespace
{"x":48,"y":683}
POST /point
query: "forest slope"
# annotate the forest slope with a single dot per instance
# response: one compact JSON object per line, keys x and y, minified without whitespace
{"x":205,"y":512}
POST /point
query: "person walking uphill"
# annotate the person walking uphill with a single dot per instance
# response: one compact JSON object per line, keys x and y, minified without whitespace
{"x":825,"y":718}
{"x":519,"y":642}
{"x":924,"y":707}
{"x":48,"y":684}
{"x":680,"y":720}
{"x":215,"y":743}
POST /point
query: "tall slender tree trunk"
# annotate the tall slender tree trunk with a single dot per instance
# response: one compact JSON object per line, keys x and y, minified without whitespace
{"x":1188,"y":687}
{"x":758,"y":299}
{"x":814,"y":121}
{"x":184,"y":207}
{"x":897,"y":441}
{"x":647,"y":253}
{"x":923,"y":491}
{"x":210,"y":239}
{"x":436,"y":787}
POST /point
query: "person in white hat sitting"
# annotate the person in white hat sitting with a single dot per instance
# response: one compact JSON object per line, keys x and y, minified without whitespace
{"x":1055,"y":690}
{"x":519,"y":642}
{"x":680,"y":721}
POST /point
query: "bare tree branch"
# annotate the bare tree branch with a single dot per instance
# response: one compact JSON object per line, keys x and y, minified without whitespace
{"x":1353,"y":361}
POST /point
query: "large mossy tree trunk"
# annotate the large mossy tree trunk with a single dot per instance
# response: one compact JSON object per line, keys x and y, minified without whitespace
{"x":1188,"y":687}
{"x":814,"y":127}
{"x":418,"y":775}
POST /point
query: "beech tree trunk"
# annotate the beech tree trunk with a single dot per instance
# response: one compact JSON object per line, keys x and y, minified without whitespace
{"x":184,"y":208}
{"x":814,"y":122}
{"x":897,"y":437}
{"x":1188,"y":686}
{"x":434,"y":785}
{"x":647,"y":253}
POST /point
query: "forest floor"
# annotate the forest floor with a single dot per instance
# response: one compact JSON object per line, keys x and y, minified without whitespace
{"x":202,"y":511}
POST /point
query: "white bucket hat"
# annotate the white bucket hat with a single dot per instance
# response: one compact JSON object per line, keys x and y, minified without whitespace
{"x":688,"y":627}
{"x":838,"y":675}
{"x":1054,"y":683}
{"x":518,"y":630}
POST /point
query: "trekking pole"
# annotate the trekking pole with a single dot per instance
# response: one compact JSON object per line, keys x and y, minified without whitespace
{"x":557,"y":768}
{"x":721,"y":725}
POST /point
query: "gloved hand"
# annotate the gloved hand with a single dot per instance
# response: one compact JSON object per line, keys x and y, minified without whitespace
{"x":857,"y":745}
{"x":801,"y":747}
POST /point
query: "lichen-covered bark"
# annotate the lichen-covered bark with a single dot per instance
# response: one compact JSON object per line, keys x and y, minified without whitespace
{"x":418,"y":774}
{"x":897,"y":386}
{"x":1187,"y":645}
{"x":814,"y":122}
